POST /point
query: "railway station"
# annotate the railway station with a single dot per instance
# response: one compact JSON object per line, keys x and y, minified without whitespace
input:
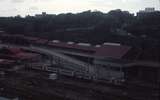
{"x":38,"y":63}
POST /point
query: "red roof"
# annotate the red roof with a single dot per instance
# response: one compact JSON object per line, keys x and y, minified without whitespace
{"x":72,"y":46}
{"x":41,"y":41}
{"x":17,"y":53}
{"x":110,"y":51}
{"x":31,"y":38}
{"x":25,"y":56}
{"x":14,"y":50}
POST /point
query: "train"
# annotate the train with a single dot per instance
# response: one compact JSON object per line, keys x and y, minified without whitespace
{"x":61,"y":71}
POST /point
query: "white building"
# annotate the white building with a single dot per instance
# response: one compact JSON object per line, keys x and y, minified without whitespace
{"x":44,"y":14}
{"x":146,"y":11}
{"x":149,"y":9}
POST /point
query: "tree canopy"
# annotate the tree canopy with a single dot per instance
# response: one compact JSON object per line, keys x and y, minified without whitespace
{"x":87,"y":26}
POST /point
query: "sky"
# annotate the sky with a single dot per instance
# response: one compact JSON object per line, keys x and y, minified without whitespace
{"x":32,"y":7}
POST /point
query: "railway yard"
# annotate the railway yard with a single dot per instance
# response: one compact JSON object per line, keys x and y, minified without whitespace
{"x":29,"y":74}
{"x":35,"y":85}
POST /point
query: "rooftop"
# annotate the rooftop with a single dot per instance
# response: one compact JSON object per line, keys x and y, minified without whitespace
{"x":108,"y":50}
{"x":6,"y":62}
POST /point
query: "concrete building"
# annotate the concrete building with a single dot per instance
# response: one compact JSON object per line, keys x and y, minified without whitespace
{"x":148,"y":10}
{"x":114,"y":62}
{"x":109,"y":58}
{"x":44,"y":14}
{"x":109,"y":61}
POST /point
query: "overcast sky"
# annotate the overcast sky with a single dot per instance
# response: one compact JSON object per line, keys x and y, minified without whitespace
{"x":25,"y":7}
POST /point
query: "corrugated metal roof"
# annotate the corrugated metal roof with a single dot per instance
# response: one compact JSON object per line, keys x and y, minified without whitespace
{"x":17,"y":53}
{"x":24,"y":55}
{"x":14,"y":50}
{"x":110,"y":51}
{"x":41,"y":41}
{"x":72,"y":46}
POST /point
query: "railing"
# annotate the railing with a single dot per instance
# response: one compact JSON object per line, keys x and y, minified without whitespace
{"x":65,"y":60}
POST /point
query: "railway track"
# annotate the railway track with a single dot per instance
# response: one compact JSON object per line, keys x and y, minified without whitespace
{"x":65,"y":88}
